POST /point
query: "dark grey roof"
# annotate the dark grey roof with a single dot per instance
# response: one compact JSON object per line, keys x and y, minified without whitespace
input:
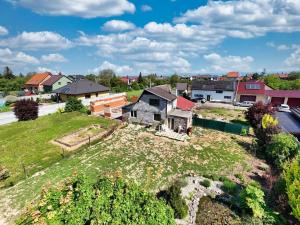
{"x":209,"y":85}
{"x":162,"y":92}
{"x":81,"y":87}
{"x":181,"y":86}
{"x":52,"y":80}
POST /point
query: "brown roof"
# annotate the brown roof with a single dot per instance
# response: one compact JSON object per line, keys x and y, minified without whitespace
{"x":52,"y":80}
{"x":209,"y":85}
{"x":161,"y":92}
{"x":181,"y":86}
{"x":38,"y":78}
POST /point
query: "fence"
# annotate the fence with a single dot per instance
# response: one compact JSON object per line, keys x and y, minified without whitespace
{"x":221,"y":126}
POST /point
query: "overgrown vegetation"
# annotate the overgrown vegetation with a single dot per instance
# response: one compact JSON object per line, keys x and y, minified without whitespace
{"x":73,"y":104}
{"x":26,"y":109}
{"x":292,"y":83}
{"x":106,"y":201}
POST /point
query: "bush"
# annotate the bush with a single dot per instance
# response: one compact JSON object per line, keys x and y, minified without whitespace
{"x":80,"y":201}
{"x":73,"y":104}
{"x":283,"y":147}
{"x":26,"y":110}
{"x":173,"y":198}
{"x":291,"y":176}
{"x":205,"y":183}
{"x":230,"y":187}
{"x":256,"y":112}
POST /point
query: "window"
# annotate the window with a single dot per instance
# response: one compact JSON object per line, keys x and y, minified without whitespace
{"x":219,"y":92}
{"x":253,"y":86}
{"x":157,"y":117}
{"x":227,"y":97}
{"x":59,"y":83}
{"x":198,"y":96}
{"x":87,"y":96}
{"x":134,"y":114}
{"x":96,"y":94}
{"x":154,"y":102}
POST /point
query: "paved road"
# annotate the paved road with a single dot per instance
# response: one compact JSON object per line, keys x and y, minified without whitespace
{"x":288,"y":122}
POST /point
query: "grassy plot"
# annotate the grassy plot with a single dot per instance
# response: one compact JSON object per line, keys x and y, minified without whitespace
{"x":134,"y":93}
{"x":25,"y":147}
{"x":139,"y":155}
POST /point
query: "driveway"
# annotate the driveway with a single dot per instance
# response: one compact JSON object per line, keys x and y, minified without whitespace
{"x":288,"y":123}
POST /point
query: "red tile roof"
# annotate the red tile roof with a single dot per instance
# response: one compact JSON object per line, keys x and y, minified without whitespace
{"x":184,"y":104}
{"x":38,"y":78}
{"x":233,"y":74}
{"x":284,"y":93}
{"x":242,"y":88}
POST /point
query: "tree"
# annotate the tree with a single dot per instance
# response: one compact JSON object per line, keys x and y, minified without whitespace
{"x":174,"y":79}
{"x":26,"y":109}
{"x":7,"y":73}
{"x":73,"y":104}
{"x":291,"y":176}
{"x":282,"y":148}
{"x":140,"y":79}
{"x":105,"y":77}
{"x":255,"y":76}
{"x":255,"y":113}
{"x":81,"y":201}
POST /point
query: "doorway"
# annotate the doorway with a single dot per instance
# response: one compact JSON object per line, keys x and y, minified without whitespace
{"x":208,"y":98}
{"x":171,"y":123}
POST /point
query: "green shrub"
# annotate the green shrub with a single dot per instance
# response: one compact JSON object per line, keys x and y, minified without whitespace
{"x":291,"y":176}
{"x":173,"y":198}
{"x":73,"y":104}
{"x":206,"y":183}
{"x":283,"y":147}
{"x":80,"y":201}
{"x":230,"y":187}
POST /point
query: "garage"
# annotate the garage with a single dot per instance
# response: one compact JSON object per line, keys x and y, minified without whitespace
{"x":294,"y":102}
{"x":276,"y":101}
{"x":251,"y":98}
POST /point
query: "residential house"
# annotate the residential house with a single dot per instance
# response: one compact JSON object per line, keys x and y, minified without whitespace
{"x":289,"y":97}
{"x":35,"y":84}
{"x":253,"y":91}
{"x":55,"y":82}
{"x":128,"y":80}
{"x":181,"y":88}
{"x":233,"y":76}
{"x":157,"y":106}
{"x":82,"y":89}
{"x":218,"y":91}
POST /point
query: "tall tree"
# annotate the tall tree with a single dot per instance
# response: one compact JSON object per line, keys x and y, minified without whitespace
{"x":140,"y":78}
{"x":7,"y":73}
{"x":105,"y":77}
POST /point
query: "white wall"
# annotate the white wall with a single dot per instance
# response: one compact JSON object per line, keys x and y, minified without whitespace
{"x":219,"y":97}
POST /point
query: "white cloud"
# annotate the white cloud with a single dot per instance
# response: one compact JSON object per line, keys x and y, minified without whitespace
{"x":37,"y":40}
{"x":3,"y":31}
{"x":79,"y":8}
{"x":146,"y":8}
{"x":54,"y":57}
{"x":45,"y":69}
{"x":220,"y":63}
{"x":118,"y":25}
{"x":281,"y":47}
{"x":293,"y":61}
{"x":119,"y":70}
{"x":247,"y":18}
{"x":11,"y":58}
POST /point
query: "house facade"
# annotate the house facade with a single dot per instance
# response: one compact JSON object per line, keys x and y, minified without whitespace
{"x":157,"y":106}
{"x":35,"y":84}
{"x":82,"y":89}
{"x":253,"y":91}
{"x":55,"y":82}
{"x":217,"y":91}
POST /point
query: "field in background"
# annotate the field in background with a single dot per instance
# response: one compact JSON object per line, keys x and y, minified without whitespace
{"x":25,"y":147}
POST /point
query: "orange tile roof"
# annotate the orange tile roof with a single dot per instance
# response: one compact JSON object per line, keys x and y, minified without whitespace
{"x":233,"y":74}
{"x":38,"y":78}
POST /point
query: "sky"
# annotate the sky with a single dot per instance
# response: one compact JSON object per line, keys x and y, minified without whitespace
{"x":150,"y":36}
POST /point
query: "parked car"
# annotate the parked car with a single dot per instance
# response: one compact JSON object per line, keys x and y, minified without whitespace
{"x":245,"y":104}
{"x":284,"y":108}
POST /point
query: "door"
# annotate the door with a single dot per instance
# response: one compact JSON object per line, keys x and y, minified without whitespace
{"x":208,"y":98}
{"x":171,"y":123}
{"x":276,"y":101}
{"x":249,"y":98}
{"x":293,"y":102}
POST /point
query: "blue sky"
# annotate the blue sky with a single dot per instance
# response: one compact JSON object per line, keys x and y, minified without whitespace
{"x":163,"y":37}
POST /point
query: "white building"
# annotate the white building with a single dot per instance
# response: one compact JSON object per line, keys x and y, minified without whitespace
{"x":215,"y":91}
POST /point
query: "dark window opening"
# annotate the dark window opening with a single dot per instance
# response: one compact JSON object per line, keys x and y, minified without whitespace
{"x":87,"y":96}
{"x":134,"y":114}
{"x":154,"y":102}
{"x":157,"y":117}
{"x":227,"y":97}
{"x":96,"y":94}
{"x":219,"y":92}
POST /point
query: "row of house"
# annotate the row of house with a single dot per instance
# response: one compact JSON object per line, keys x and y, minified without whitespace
{"x":237,"y":91}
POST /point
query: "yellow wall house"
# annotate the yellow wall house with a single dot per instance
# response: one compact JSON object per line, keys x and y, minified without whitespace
{"x":82,"y":89}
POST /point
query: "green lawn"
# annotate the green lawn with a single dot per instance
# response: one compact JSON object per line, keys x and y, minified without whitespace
{"x":140,"y":156}
{"x":28,"y":143}
{"x":134,"y":93}
{"x":5,"y":109}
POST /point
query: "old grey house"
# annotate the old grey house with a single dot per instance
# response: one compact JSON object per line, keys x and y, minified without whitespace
{"x":157,"y":106}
